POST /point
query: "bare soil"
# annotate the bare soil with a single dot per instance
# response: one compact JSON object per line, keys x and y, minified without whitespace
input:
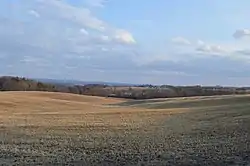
{"x":38,"y":128}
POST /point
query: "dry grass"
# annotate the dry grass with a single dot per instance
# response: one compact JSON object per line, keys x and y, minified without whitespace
{"x":38,"y":128}
{"x":55,"y":109}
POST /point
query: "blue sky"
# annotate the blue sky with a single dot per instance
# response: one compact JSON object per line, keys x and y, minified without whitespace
{"x":136,"y":41}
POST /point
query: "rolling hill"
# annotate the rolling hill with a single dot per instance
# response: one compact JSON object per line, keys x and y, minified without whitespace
{"x":48,"y":128}
{"x":119,"y":91}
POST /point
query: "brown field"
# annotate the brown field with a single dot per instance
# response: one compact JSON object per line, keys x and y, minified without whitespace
{"x":39,"y":128}
{"x":55,"y":109}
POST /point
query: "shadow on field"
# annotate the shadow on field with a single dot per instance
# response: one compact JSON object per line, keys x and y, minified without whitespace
{"x":213,"y":131}
{"x":188,"y":102}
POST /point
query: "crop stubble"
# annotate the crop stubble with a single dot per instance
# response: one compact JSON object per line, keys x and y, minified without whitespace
{"x":54,"y":129}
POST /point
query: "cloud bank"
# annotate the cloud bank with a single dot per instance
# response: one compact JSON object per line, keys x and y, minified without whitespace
{"x":59,"y":39}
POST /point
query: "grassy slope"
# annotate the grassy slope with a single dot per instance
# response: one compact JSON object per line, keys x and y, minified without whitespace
{"x":188,"y":102}
{"x":55,"y":128}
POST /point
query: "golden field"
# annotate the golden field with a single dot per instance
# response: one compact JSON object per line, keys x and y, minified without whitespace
{"x":42,"y":128}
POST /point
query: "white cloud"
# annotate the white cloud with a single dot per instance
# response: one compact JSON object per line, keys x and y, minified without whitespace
{"x":211,"y":49}
{"x":164,"y":72}
{"x":104,"y":49}
{"x":96,"y":3}
{"x":200,"y":43}
{"x":201,"y":49}
{"x":83,"y":31}
{"x":181,"y":41}
{"x":241,"y":33}
{"x":244,"y":52}
{"x":125,"y":37}
{"x":79,"y":15}
{"x":105,"y":38}
{"x":59,"y":28}
{"x":63,"y":34}
{"x":34,"y":13}
{"x":83,"y":17}
{"x":31,"y":59}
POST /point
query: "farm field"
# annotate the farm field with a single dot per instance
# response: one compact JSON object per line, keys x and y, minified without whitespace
{"x":42,"y":128}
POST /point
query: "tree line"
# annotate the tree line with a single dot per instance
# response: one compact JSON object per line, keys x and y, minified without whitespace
{"x":133,"y":92}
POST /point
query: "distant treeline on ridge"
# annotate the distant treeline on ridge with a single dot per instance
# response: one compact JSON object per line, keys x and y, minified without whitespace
{"x":8,"y":83}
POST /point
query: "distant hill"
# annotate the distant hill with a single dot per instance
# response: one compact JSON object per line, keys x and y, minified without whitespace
{"x":77,"y":82}
{"x":117,"y":90}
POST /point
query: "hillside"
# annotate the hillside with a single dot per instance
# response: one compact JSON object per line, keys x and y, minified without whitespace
{"x":47,"y":128}
{"x":130,"y":92}
{"x":76,"y":82}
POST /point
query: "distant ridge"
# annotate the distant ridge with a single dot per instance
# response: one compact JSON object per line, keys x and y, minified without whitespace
{"x":118,"y":90}
{"x":77,"y":82}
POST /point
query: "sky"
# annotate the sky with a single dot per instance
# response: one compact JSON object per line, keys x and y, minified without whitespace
{"x":131,"y":41}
